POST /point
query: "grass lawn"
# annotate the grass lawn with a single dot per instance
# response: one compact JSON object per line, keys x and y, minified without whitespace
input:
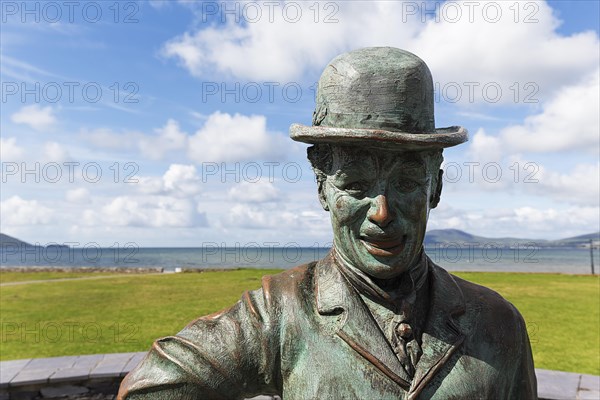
{"x":127,"y":313}
{"x":562,"y":313}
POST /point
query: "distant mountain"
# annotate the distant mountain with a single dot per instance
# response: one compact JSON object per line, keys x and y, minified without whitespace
{"x":578,"y":241}
{"x":449,"y":235}
{"x":432,"y":238}
{"x":9,"y":241}
{"x":455,"y":236}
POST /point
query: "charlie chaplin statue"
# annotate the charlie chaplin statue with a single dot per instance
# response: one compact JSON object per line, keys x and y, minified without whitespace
{"x":376,"y":318}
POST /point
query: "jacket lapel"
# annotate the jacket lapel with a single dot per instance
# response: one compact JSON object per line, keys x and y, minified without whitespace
{"x":442,"y":334}
{"x":354,"y":323}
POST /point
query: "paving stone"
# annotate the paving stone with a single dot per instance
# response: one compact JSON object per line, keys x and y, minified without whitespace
{"x":70,"y":375}
{"x":30,"y":377}
{"x":79,"y":371}
{"x":39,"y":370}
{"x":557,"y":385}
{"x":118,"y":357}
{"x":110,"y":367}
{"x":117,"y":362}
{"x":88,"y":360}
{"x":590,"y":383}
{"x":9,"y":370}
{"x":53,"y":363}
{"x":133,"y":362}
{"x":63,"y":391}
{"x":588,"y":395}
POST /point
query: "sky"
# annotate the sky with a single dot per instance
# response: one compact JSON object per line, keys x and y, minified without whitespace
{"x":165,"y":123}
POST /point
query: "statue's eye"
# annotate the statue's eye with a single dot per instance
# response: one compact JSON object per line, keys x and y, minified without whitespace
{"x":355,"y":187}
{"x":407,"y":185}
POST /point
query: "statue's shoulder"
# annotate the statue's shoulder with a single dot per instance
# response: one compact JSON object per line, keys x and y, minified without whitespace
{"x":292,"y":282}
{"x":485,"y":298}
{"x":485,"y":308}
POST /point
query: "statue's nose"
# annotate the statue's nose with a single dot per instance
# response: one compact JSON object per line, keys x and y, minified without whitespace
{"x":380,"y":212}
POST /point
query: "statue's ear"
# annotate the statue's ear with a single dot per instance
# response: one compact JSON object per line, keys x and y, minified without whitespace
{"x":322,"y":195}
{"x":437,"y":192}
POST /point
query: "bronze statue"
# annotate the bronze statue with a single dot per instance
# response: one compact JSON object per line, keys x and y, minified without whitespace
{"x":375,"y":319}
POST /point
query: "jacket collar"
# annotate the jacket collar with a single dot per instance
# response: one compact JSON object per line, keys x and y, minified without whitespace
{"x":443,"y":333}
{"x":353,"y":322}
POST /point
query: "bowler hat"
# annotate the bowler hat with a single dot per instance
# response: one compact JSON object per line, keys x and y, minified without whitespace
{"x":378,"y":97}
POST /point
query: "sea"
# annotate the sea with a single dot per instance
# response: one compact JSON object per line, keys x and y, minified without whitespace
{"x":453,"y":258}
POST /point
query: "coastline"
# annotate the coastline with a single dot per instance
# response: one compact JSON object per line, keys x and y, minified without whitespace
{"x":158,"y":270}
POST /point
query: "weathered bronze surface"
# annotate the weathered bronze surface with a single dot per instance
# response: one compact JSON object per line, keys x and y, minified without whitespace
{"x":375,"y":319}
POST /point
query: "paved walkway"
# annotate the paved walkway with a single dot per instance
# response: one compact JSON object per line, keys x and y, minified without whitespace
{"x":83,"y":278}
{"x":61,"y":371}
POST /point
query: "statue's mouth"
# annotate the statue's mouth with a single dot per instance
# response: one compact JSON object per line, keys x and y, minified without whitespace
{"x":384,"y":247}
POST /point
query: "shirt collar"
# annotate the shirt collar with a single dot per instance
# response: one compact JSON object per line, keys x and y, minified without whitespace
{"x":402,"y":287}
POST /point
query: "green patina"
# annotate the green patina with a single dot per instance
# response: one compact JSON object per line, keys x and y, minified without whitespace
{"x":375,"y":319}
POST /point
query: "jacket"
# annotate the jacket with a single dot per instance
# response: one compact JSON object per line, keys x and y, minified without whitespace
{"x":307,"y":334}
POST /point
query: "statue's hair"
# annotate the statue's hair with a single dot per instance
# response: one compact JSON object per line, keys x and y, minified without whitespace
{"x":321,"y":160}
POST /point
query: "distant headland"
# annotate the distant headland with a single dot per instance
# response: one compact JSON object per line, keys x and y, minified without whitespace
{"x":432,"y":238}
{"x":7,"y":241}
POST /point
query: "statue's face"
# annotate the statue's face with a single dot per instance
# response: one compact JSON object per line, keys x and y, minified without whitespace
{"x":379,"y":204}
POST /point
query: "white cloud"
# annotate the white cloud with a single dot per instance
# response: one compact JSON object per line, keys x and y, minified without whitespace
{"x":527,"y":221}
{"x":90,"y":218}
{"x":259,"y":217}
{"x":55,"y":152}
{"x":16,"y":211}
{"x":169,"y":138}
{"x":39,"y":118}
{"x":10,"y":151}
{"x":182,"y":179}
{"x":485,"y":147}
{"x":230,"y":138}
{"x":222,"y":138}
{"x":277,"y":216}
{"x":178,"y":181}
{"x":151,"y":211}
{"x":271,"y":49}
{"x":109,"y":139}
{"x":150,"y":185}
{"x":106,"y":138}
{"x":472,"y":48}
{"x":254,"y":192}
{"x":568,"y":126}
{"x":569,"y":121}
{"x":78,"y":196}
{"x":574,"y":218}
{"x":517,"y":48}
{"x":489,"y":171}
{"x":578,"y":186}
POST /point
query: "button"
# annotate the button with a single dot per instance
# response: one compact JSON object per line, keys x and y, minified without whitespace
{"x":404,"y":331}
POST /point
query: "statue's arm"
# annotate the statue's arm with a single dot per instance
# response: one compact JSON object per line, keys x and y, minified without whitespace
{"x":227,"y":355}
{"x":524,"y":385}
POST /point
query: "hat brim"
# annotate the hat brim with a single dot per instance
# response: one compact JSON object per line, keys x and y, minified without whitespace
{"x":441,"y":138}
